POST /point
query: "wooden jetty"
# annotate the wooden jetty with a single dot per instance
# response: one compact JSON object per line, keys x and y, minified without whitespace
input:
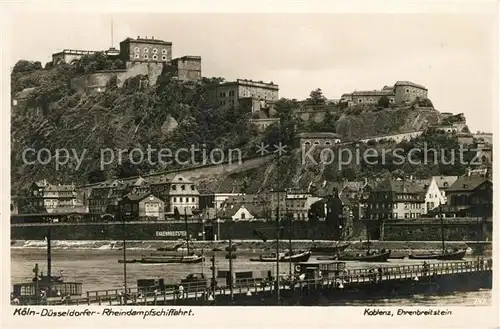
{"x":356,"y":284}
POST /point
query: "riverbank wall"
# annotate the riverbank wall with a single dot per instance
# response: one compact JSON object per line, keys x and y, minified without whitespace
{"x":454,"y":229}
{"x":256,"y":246}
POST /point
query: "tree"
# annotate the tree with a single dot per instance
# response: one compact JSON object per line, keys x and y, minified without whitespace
{"x":316,"y":97}
{"x":384,"y":102}
{"x":24,"y":66}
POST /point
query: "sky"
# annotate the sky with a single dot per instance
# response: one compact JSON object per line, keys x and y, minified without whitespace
{"x":453,"y":55}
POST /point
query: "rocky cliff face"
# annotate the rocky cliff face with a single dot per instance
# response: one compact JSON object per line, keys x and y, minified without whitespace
{"x":388,"y":121}
{"x":169,"y":114}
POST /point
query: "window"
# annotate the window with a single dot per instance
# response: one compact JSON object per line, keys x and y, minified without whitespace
{"x":183,"y":187}
{"x":307,"y":143}
{"x":136,"y":49}
{"x":407,"y":90}
{"x":181,"y":200}
{"x":155,"y":50}
{"x":145,"y":56}
{"x":163,"y":51}
{"x":242,"y":215}
{"x":192,"y":199}
{"x":146,"y":50}
{"x":360,"y":101}
{"x":164,"y":58}
{"x":192,"y":187}
{"x":328,"y":143}
{"x":316,"y":143}
{"x":174,"y":187}
{"x":155,"y":57}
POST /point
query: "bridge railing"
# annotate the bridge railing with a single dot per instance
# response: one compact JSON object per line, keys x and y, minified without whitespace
{"x":335,"y":280}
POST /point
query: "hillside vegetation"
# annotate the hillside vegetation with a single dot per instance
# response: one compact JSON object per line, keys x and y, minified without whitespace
{"x":172,"y":115}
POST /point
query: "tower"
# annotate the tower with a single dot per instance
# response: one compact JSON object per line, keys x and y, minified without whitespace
{"x":112,"y":51}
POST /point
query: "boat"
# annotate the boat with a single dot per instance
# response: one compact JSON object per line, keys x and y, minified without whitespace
{"x":331,"y":249}
{"x":375,"y":257}
{"x":43,"y":286}
{"x":192,"y":259}
{"x":445,"y":254}
{"x":189,"y":258}
{"x":284,"y":257}
{"x":174,"y":248}
{"x":453,"y":255}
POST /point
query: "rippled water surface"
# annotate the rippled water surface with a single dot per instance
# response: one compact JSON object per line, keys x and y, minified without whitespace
{"x":99,"y":269}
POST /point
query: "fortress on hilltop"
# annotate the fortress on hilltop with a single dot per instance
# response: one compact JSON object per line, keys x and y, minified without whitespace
{"x":401,"y":93}
{"x":142,"y":56}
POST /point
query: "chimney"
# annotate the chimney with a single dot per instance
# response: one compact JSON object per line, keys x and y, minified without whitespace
{"x":138,"y":37}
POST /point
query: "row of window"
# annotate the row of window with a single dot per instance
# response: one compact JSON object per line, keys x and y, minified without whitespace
{"x":371,"y":100}
{"x":182,"y":199}
{"x":395,"y":216}
{"x":223,"y":103}
{"x":154,"y":57}
{"x":395,"y":206}
{"x":317,"y":143}
{"x":146,"y":50}
{"x":231,"y":93}
{"x":183,"y":187}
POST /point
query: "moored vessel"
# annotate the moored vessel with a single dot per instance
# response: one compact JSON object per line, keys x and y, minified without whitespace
{"x":375,"y":257}
{"x":301,"y":256}
{"x":165,"y":259}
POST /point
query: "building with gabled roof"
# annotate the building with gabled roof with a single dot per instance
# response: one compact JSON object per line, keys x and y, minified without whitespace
{"x":470,"y":196}
{"x":396,"y":199}
{"x":53,"y":198}
{"x":176,"y":191}
{"x":141,"y":206}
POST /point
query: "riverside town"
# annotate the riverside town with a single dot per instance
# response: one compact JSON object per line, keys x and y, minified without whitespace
{"x":271,"y":229}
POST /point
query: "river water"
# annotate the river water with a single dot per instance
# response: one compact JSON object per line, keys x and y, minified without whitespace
{"x":99,"y":269}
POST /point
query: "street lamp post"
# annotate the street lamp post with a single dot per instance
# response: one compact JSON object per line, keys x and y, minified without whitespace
{"x":230,"y":256}
{"x":124,"y":260}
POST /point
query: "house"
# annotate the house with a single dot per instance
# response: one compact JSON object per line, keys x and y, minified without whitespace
{"x":396,"y":199}
{"x":297,"y":204}
{"x":249,"y":95}
{"x":177,"y":192}
{"x":138,"y":186}
{"x":241,"y":212}
{"x":45,"y":197}
{"x":215,"y":200}
{"x":433,"y":196}
{"x":104,"y":197}
{"x":443,"y":183}
{"x":470,"y":196}
{"x":248,"y":199}
{"x":141,"y":206}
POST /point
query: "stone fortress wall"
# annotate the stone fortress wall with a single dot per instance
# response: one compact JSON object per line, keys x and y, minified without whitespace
{"x":402,"y":92}
{"x":143,"y":56}
{"x":97,"y":81}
